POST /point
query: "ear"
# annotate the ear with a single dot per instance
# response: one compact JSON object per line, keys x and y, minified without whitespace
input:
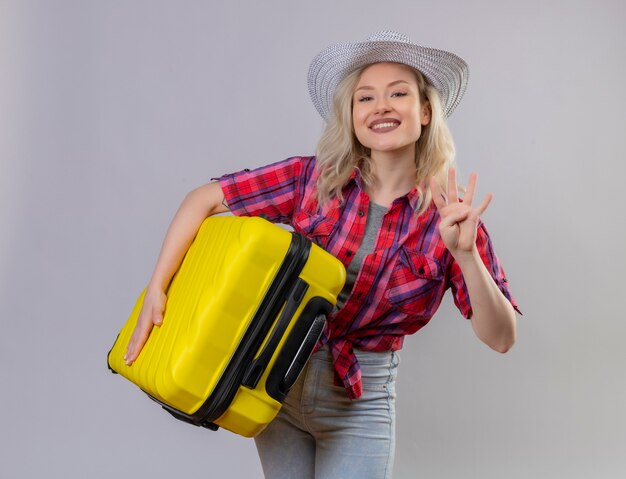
{"x":425,"y":114}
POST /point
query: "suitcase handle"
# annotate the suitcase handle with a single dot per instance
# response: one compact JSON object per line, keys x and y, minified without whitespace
{"x":257,"y":367}
{"x":304,"y":353}
{"x":297,"y":348}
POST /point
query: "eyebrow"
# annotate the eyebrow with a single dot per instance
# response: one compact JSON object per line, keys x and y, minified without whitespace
{"x":367,"y":87}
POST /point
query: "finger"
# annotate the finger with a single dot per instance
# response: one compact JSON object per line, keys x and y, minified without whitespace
{"x":453,"y":196}
{"x":483,"y":206}
{"x":471,"y":188}
{"x":137,"y":340}
{"x":454,"y":217}
{"x":438,"y":197}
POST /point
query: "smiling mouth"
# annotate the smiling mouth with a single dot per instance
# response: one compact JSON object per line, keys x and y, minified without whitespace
{"x":386,"y":126}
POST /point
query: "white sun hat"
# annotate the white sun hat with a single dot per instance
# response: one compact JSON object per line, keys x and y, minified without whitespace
{"x":444,"y":70}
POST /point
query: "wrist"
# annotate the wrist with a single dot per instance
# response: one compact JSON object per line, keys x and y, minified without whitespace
{"x":156,"y":286}
{"x":467,"y":258}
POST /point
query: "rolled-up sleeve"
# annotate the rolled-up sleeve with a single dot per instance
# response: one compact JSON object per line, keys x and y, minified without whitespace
{"x":491,"y":261}
{"x":270,"y":191}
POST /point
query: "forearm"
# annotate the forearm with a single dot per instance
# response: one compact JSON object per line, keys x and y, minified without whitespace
{"x":493,"y":316}
{"x":200,"y":203}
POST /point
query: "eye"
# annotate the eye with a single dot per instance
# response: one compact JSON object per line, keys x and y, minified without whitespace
{"x":365,"y":98}
{"x":399,"y":94}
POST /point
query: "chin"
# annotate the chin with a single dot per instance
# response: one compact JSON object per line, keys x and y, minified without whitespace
{"x":389,"y":148}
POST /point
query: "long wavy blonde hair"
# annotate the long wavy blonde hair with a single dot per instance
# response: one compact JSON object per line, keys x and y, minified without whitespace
{"x":339,"y":152}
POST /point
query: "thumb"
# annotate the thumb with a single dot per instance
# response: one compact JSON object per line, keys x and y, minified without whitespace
{"x":157,"y":317}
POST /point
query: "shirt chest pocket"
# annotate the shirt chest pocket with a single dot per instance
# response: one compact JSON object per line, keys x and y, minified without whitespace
{"x":416,"y":283}
{"x":315,"y":226}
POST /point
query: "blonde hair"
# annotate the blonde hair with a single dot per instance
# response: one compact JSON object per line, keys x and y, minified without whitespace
{"x":339,"y":152}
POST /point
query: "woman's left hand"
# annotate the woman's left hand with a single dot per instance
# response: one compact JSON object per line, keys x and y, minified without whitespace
{"x":459,"y":219}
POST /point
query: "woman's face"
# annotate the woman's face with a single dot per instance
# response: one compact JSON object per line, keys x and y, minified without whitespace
{"x":386,"y":110}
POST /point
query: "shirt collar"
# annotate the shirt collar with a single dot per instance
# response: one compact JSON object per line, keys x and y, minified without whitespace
{"x":356,"y":176}
{"x":412,"y":197}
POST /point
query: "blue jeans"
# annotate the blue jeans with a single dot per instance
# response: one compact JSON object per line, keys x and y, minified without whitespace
{"x":320,"y":434}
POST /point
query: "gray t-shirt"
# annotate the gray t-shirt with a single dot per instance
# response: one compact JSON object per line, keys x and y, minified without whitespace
{"x":372,"y":225}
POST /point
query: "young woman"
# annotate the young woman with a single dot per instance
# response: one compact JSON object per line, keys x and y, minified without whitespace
{"x":381,"y":195}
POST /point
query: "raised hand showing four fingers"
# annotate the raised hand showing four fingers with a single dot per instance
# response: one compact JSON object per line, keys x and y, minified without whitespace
{"x":459,"y":219}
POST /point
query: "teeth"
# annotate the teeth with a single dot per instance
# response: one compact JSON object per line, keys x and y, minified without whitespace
{"x":384,"y":125}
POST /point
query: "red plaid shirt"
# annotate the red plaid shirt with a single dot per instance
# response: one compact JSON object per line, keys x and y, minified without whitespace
{"x":400,"y":284}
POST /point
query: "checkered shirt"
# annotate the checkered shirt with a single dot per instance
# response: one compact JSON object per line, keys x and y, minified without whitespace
{"x":399,"y":285}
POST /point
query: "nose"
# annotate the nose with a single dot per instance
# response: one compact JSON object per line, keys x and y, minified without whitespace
{"x":382,"y":105}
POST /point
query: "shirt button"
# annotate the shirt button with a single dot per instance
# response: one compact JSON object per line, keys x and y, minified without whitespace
{"x":360,"y":213}
{"x":348,"y":253}
{"x":421,"y":270}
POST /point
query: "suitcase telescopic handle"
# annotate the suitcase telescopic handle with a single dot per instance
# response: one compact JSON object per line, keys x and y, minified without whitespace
{"x":258,"y":366}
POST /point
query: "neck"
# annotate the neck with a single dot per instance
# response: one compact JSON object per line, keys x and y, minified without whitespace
{"x":394,"y":175}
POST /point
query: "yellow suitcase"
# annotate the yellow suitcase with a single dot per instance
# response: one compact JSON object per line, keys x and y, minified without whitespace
{"x":243,"y":314}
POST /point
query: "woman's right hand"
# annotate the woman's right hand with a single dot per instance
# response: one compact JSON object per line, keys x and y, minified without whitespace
{"x":204,"y":201}
{"x":151,"y":315}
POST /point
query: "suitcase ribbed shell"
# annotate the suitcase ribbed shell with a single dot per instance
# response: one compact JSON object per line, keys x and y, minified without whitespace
{"x":212,"y":301}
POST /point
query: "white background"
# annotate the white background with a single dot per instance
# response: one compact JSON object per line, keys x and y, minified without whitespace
{"x":111,"y":111}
